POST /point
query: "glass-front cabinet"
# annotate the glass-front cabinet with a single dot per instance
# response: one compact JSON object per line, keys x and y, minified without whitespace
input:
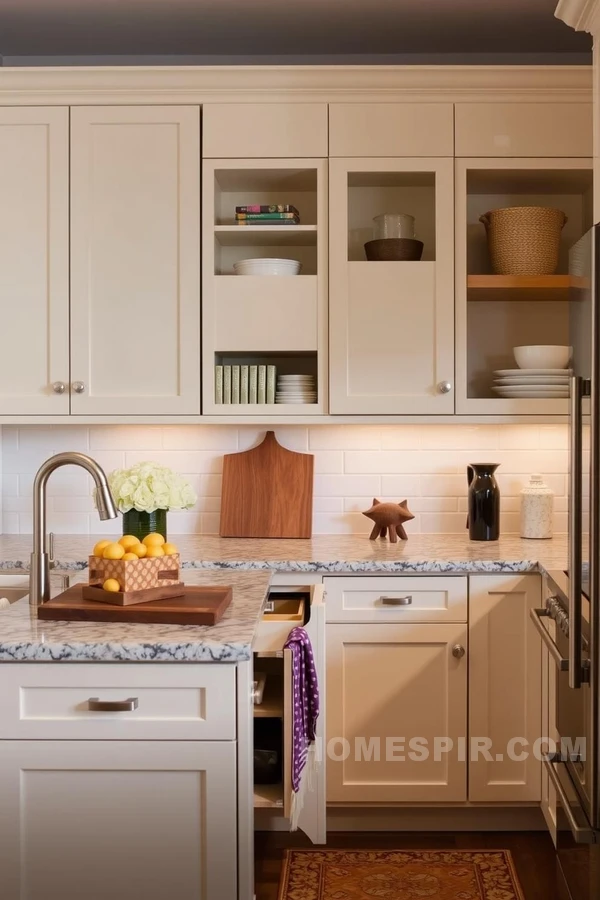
{"x":391,"y":241}
{"x":498,"y":307}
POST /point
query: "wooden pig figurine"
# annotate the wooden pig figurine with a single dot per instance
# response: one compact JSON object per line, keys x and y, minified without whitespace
{"x":389,"y":519}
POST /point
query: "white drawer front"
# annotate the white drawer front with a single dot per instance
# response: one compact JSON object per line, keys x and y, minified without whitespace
{"x":397,"y":600}
{"x":42,"y":701}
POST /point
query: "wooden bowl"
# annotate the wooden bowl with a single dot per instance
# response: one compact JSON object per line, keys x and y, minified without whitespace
{"x":407,"y":249}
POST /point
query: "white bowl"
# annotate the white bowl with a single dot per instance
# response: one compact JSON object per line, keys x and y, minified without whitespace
{"x":267,"y":267}
{"x":542,"y":356}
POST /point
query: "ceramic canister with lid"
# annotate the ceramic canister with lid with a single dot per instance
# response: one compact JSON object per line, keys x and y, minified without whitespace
{"x":537,"y":507}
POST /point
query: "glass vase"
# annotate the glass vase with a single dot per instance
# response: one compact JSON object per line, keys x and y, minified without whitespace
{"x":139,"y":524}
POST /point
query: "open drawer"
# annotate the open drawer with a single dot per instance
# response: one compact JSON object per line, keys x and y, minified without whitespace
{"x":289,"y":607}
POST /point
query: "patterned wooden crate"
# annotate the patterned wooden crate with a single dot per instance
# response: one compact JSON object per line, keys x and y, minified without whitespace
{"x":136,"y":574}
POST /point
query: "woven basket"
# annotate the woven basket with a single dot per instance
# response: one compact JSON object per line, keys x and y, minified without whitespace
{"x":524,"y":240}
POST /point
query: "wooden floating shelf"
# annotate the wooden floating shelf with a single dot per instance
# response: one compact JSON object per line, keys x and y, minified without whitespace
{"x":266,"y":235}
{"x":518,"y":287}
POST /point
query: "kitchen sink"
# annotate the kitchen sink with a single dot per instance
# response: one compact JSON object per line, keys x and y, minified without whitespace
{"x":15,"y":585}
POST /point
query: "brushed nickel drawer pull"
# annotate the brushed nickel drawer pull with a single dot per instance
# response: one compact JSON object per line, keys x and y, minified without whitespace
{"x":458,"y":651}
{"x":396,"y":601}
{"x":97,"y":705}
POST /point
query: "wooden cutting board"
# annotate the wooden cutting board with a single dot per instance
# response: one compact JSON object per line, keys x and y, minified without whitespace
{"x":267,"y":492}
{"x":196,"y":605}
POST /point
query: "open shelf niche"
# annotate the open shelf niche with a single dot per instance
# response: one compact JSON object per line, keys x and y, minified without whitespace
{"x":264,"y":320}
{"x":504,"y":311}
{"x":371,"y":194}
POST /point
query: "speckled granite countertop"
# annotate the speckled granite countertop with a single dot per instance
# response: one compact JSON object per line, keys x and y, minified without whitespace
{"x":326,"y":553}
{"x":25,"y":639}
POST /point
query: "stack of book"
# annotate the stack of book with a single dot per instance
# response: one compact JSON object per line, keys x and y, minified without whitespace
{"x":245,"y":384}
{"x":279,"y":214}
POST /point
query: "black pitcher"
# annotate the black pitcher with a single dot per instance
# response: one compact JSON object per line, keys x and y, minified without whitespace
{"x":483,"y":520}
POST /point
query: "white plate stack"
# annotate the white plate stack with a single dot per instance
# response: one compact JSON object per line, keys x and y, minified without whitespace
{"x":296,"y":389}
{"x":532,"y":383}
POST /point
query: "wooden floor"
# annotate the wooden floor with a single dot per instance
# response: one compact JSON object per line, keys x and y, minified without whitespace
{"x":533,"y":854}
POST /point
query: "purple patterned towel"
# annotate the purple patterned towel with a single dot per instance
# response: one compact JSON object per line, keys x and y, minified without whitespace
{"x":305,"y":687}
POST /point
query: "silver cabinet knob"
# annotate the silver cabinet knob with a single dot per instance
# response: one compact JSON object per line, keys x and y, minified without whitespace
{"x":78,"y":387}
{"x":59,"y":387}
{"x":458,"y":651}
{"x":444,"y":387}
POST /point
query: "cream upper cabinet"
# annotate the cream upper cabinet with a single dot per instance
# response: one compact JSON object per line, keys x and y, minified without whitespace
{"x":34,"y":260}
{"x":118,"y":819}
{"x":523,"y":129}
{"x":391,"y":322}
{"x":135,"y":260}
{"x":391,"y":129}
{"x":505,"y":697}
{"x":395,"y":694}
{"x":263,"y":130}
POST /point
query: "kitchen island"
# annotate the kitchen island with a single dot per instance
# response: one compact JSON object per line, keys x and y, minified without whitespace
{"x":127,"y":772}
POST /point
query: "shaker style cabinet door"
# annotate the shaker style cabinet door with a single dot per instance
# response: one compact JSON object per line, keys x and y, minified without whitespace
{"x":395,"y":695}
{"x":118,"y":819}
{"x":135,"y":260}
{"x":391,"y":320}
{"x":34,"y":260}
{"x":505,"y":690}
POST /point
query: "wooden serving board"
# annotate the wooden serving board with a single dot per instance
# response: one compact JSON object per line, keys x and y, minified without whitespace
{"x":195,"y":605}
{"x":267,"y":492}
{"x":96,"y":593}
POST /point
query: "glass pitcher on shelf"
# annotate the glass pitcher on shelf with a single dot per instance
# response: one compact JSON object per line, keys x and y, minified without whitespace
{"x":393,"y":225}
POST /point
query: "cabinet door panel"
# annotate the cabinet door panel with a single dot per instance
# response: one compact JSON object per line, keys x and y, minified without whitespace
{"x":391,"y":322}
{"x":118,"y":819}
{"x":263,"y":130}
{"x":505,"y":696}
{"x":388,"y":685}
{"x":391,"y":129}
{"x":523,"y":129}
{"x":135,"y":260}
{"x":34,"y":260}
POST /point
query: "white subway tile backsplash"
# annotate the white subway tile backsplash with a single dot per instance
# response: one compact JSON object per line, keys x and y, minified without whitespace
{"x":425,"y":464}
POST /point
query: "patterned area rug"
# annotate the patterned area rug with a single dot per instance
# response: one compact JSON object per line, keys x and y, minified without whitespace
{"x":399,"y":875}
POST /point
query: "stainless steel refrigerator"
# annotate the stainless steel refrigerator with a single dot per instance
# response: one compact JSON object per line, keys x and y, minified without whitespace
{"x":574,"y":768}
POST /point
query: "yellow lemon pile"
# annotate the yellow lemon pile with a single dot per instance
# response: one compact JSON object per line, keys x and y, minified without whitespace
{"x":130,"y":548}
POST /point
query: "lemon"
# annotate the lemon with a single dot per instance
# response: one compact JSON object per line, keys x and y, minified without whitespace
{"x":170,"y":549}
{"x":100,"y":548}
{"x":153,"y":540}
{"x":129,"y":556}
{"x":155,"y":550}
{"x":112,"y":585}
{"x":128,"y":540}
{"x":139,"y":550}
{"x":114,"y":551}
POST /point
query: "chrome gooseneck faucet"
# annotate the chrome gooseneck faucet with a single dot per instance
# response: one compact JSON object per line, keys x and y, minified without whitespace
{"x":39,"y":588}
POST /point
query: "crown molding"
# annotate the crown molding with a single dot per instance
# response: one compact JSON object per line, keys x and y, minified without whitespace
{"x":197,"y":84}
{"x":581,"y":15}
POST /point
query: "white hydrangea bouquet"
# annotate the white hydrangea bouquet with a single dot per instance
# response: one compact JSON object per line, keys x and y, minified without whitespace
{"x":148,"y":486}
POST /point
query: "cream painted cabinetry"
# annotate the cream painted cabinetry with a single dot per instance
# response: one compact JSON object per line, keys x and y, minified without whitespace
{"x":264,"y":130}
{"x":102,"y":297}
{"x":391,"y":323}
{"x":505,"y":697}
{"x":34,"y":260}
{"x":395,"y":694}
{"x":397,"y":669}
{"x":523,"y":129}
{"x":122,"y":803}
{"x":391,"y":129}
{"x":135,"y":260}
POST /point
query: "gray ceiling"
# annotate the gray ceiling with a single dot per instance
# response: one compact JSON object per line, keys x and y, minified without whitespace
{"x":300,"y":29}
